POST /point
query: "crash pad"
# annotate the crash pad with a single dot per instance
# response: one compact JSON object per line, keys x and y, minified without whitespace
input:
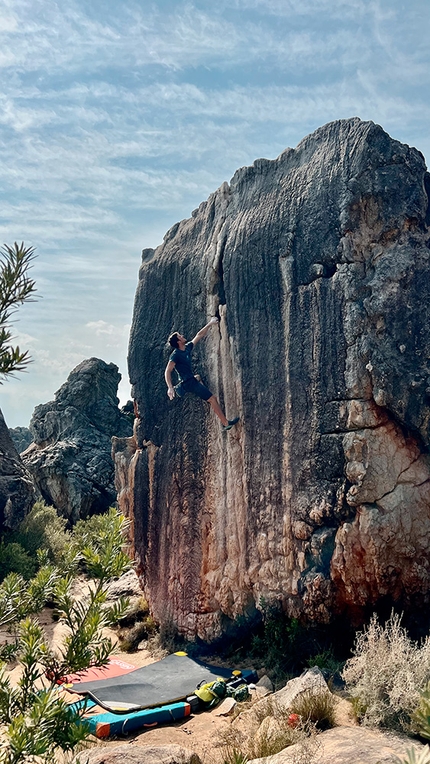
{"x":114,"y":667}
{"x":159,"y":683}
{"x":103,"y":724}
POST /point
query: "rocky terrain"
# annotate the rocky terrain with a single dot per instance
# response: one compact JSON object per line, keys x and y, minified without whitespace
{"x":70,"y":457}
{"x":21,"y":437}
{"x":210,"y":737}
{"x":317,"y":264}
{"x":17,"y":489}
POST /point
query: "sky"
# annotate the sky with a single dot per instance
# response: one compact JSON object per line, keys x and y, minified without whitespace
{"x":117,"y":118}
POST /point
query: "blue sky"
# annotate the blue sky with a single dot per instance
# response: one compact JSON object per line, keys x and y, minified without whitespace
{"x":118,"y":118}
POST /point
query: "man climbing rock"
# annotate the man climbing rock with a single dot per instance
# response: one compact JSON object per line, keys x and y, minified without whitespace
{"x":180,"y":360}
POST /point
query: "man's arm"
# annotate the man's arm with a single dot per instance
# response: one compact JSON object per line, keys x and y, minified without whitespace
{"x":203,"y":332}
{"x":168,"y":377}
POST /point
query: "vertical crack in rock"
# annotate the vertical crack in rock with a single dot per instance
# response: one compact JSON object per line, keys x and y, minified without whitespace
{"x":317,"y":264}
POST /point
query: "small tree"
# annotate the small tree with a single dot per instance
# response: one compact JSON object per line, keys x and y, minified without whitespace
{"x":36,"y":719}
{"x":16,"y":287}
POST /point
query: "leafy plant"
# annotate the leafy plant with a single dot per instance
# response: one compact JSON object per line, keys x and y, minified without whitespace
{"x":421,"y":716}
{"x":235,"y":756}
{"x":414,"y":757}
{"x":15,"y":288}
{"x":44,"y":529}
{"x":278,"y":641}
{"x":386,"y":674}
{"x":15,"y":559}
{"x":326,"y":662}
{"x":41,"y":537}
{"x":36,"y":720}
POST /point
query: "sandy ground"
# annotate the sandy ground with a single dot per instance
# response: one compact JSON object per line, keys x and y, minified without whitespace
{"x":202,"y":733}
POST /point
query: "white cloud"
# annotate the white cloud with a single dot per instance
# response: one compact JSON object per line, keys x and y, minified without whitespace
{"x":112,"y":335}
{"x":116,"y":120}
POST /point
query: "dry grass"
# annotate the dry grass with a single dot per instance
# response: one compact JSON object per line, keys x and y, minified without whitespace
{"x":387,"y":674}
{"x":316,"y":708}
{"x":274,"y":734}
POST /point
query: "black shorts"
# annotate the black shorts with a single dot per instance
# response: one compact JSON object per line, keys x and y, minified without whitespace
{"x":194,"y":386}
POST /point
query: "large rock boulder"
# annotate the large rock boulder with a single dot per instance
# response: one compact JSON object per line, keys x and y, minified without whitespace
{"x":21,"y":437}
{"x":317,"y":264}
{"x":70,"y":458}
{"x":279,"y":704}
{"x":349,"y":745}
{"x":17,"y":489}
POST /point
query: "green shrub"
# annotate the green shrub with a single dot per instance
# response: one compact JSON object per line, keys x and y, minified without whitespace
{"x":326,"y":662}
{"x":234,"y":756}
{"x":44,"y":529}
{"x":421,"y":716}
{"x":35,"y":723}
{"x":130,"y":637}
{"x":386,"y":674}
{"x":412,"y":757}
{"x":278,"y":642}
{"x":89,"y":532}
{"x":15,"y":559}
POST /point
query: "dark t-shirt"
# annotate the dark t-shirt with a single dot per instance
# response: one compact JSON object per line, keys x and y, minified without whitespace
{"x":182,"y":361}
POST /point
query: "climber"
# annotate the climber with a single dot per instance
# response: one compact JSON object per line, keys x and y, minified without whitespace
{"x":180,"y":360}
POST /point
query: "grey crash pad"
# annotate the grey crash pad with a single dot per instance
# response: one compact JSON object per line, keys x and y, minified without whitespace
{"x":165,"y":681}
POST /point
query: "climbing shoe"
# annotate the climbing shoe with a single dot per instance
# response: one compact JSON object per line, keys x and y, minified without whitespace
{"x":231,"y":423}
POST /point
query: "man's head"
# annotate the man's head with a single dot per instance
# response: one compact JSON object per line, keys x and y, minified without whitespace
{"x":176,"y":340}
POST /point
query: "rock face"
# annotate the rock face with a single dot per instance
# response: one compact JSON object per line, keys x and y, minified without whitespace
{"x":317,"y":264}
{"x":17,"y":489}
{"x":350,"y":745}
{"x":140,"y":754}
{"x":70,"y":458}
{"x":21,"y":437}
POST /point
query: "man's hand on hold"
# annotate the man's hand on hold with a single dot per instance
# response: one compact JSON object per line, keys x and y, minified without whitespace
{"x":214,"y":320}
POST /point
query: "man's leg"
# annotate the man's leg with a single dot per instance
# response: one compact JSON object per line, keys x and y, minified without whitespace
{"x":218,"y":410}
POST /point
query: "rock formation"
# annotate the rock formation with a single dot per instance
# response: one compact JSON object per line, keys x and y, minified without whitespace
{"x":17,"y":489}
{"x":350,"y":745}
{"x":70,"y":458}
{"x":140,"y":754}
{"x":21,"y":437}
{"x":317,"y":264}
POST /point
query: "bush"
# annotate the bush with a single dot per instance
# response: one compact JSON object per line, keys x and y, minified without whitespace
{"x":41,"y":531}
{"x":35,"y":722}
{"x":89,"y":532}
{"x":15,"y":559}
{"x":326,"y":662}
{"x":130,"y":637}
{"x":387,"y":674}
{"x":44,"y":529}
{"x":279,"y":642}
